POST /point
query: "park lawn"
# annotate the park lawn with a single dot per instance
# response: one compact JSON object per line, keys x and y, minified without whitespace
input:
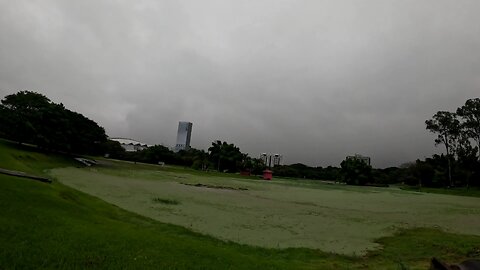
{"x":54,"y":226}
{"x":275,"y":214}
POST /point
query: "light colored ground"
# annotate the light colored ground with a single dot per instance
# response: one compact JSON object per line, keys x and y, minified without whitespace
{"x":336,"y":218}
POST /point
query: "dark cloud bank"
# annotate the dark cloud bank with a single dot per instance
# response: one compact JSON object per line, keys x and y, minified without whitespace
{"x":312,"y":80}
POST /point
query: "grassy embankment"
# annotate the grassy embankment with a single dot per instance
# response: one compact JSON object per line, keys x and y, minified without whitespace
{"x":54,"y":226}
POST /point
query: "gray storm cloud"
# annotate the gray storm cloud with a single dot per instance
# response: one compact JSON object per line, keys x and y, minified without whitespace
{"x":312,"y":80}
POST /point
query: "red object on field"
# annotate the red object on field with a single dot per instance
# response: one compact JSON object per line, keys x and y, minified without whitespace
{"x":245,"y":173}
{"x":267,"y":175}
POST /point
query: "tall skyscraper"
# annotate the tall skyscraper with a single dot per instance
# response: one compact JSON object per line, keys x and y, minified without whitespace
{"x":183,"y":136}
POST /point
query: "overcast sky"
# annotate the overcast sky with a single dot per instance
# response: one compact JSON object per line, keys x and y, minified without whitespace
{"x":312,"y":80}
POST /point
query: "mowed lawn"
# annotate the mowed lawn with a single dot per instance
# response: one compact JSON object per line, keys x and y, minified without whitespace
{"x":275,"y":214}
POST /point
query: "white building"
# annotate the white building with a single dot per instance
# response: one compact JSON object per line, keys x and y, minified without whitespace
{"x":277,"y":159}
{"x":130,"y":145}
{"x":184,"y":134}
{"x":271,"y":159}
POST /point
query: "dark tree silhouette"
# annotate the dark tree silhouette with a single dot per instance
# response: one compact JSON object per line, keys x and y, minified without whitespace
{"x":29,"y":117}
{"x":447,"y":127}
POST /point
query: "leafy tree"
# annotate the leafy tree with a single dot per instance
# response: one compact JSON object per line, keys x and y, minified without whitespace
{"x":215,"y":152}
{"x":257,"y":166}
{"x":114,"y":149}
{"x":225,"y":156}
{"x":29,"y":117}
{"x":157,"y":153}
{"x":198,"y":159}
{"x":246,"y":164}
{"x":470,"y":114}
{"x":421,"y":173}
{"x":20,"y":113}
{"x":468,"y":162}
{"x":447,"y":127}
{"x":355,"y":171}
{"x":253,"y":165}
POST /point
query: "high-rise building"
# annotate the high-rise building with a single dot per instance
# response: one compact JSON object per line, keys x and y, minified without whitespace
{"x":271,"y":159}
{"x":183,"y":136}
{"x":264,"y":158}
{"x":277,"y":159}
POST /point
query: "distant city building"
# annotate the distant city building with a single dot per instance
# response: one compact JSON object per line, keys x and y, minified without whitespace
{"x":271,"y":159}
{"x":130,"y":145}
{"x":360,"y":157}
{"x":184,"y":134}
{"x":277,"y":159}
{"x":264,"y":158}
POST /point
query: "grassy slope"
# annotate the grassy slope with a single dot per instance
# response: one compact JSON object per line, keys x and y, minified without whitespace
{"x":53,"y":226}
{"x":29,"y":159}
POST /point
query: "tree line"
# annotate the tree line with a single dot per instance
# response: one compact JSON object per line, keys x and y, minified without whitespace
{"x":30,"y":117}
{"x":221,"y":156}
{"x":458,"y":132}
{"x":351,"y":171}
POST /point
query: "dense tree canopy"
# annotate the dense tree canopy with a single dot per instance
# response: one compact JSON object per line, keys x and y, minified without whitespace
{"x":222,"y":156}
{"x":226,"y":157}
{"x":29,"y":117}
{"x":355,"y":171}
{"x":253,"y":165}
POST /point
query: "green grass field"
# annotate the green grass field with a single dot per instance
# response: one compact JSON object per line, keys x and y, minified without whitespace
{"x":276,"y":214}
{"x":56,"y":226}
